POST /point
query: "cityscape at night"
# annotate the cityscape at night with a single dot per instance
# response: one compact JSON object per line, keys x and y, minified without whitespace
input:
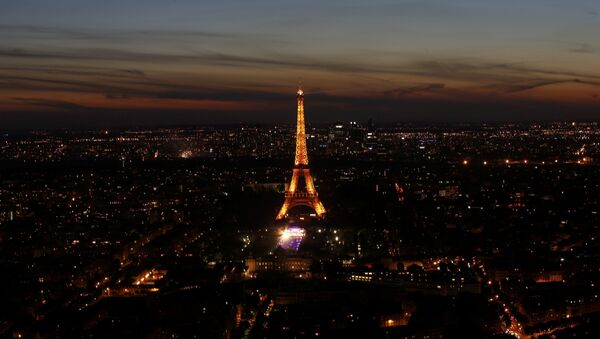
{"x":430,"y":231}
{"x":263,"y":169}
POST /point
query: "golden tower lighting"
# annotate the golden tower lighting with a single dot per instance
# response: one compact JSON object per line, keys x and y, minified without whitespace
{"x":295,"y":196}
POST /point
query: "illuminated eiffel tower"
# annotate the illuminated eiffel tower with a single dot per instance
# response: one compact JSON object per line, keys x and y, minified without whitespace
{"x":295,"y":196}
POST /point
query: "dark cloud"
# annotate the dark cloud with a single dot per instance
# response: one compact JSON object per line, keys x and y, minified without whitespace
{"x":111,"y":35}
{"x":584,"y":48}
{"x":46,"y":84}
{"x":116,"y":96}
{"x":58,"y":104}
{"x":136,"y":72}
{"x":63,"y":70}
{"x":491,"y":72}
{"x":45,"y":32}
{"x":223,"y":95}
{"x":525,"y":85}
{"x":520,"y":86}
{"x":399,"y":92}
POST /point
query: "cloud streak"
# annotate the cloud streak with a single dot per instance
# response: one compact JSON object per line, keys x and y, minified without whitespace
{"x":56,"y":104}
{"x":584,"y":49}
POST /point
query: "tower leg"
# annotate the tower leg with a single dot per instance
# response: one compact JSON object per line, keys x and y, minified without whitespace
{"x":284,"y":209}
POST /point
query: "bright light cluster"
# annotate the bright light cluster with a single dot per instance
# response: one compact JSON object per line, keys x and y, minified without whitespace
{"x":186,"y":154}
{"x":291,"y":238}
{"x":288,"y":233}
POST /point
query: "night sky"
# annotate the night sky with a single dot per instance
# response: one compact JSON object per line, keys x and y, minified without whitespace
{"x":84,"y":63}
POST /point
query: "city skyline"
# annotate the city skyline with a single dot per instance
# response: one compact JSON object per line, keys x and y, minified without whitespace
{"x":476,"y":231}
{"x":124,"y":63}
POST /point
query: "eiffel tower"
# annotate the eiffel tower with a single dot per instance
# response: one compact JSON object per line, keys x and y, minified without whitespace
{"x":295,"y":196}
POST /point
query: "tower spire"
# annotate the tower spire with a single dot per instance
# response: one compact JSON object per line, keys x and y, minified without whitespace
{"x":301,"y":152}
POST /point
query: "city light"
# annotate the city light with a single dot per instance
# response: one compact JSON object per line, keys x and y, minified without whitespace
{"x":186,"y":154}
{"x":291,"y":238}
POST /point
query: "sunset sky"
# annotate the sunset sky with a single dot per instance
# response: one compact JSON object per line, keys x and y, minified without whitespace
{"x":80,"y":63}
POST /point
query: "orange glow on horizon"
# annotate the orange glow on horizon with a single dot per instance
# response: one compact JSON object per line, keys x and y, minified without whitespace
{"x":568,"y":93}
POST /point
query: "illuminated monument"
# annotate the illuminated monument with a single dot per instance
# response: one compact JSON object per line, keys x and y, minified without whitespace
{"x":295,"y":196}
